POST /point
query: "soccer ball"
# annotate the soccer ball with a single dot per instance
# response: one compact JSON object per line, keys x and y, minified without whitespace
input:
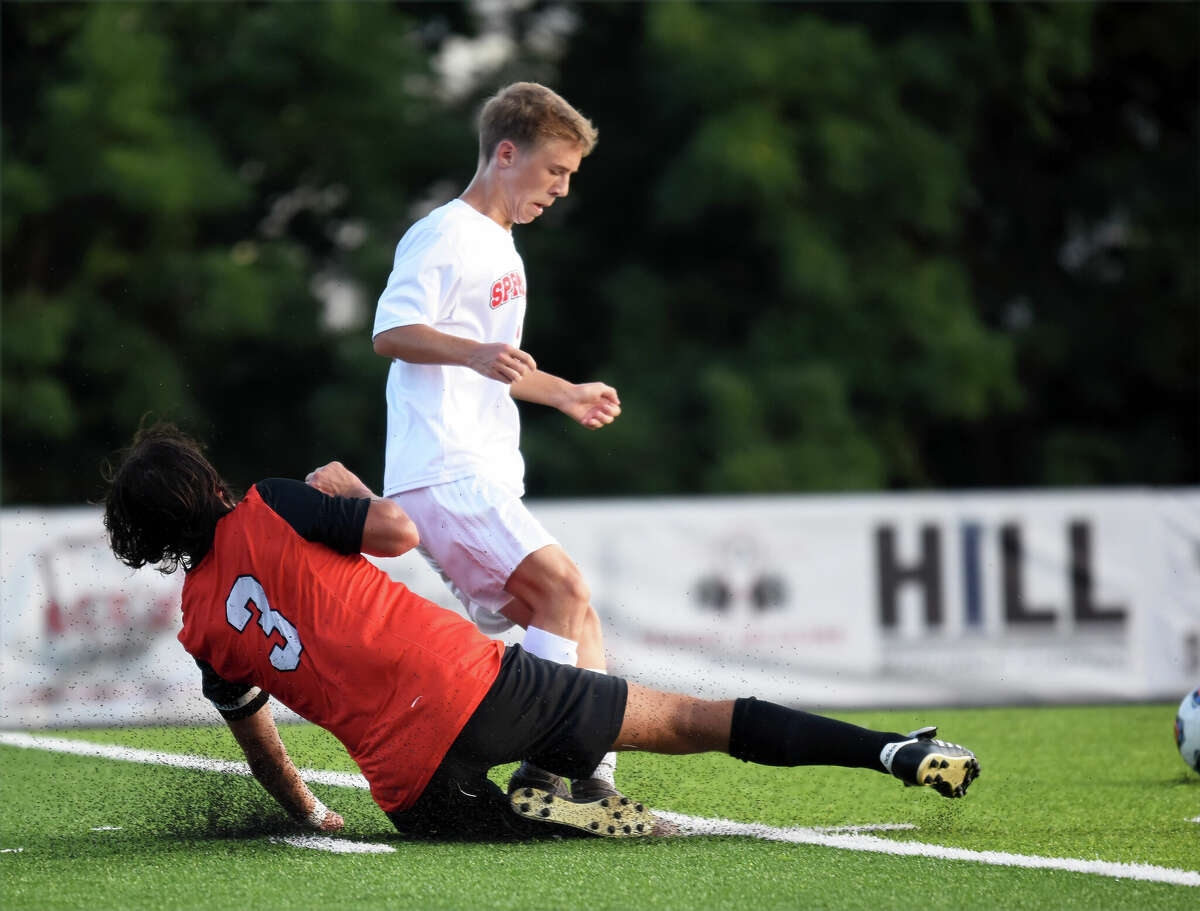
{"x":1187,"y":729}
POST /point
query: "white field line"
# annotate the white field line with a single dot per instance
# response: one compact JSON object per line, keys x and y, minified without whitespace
{"x":869,"y":827}
{"x":175,"y":760}
{"x":698,"y":825}
{"x":848,"y":838}
{"x":333,"y":845}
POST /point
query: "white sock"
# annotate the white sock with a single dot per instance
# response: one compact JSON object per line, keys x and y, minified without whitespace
{"x":607,"y":768}
{"x":551,"y":647}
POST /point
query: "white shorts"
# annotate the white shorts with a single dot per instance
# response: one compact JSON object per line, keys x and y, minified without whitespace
{"x":474,"y":533}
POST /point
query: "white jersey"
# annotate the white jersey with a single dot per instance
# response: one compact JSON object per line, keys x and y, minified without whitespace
{"x":459,"y":272}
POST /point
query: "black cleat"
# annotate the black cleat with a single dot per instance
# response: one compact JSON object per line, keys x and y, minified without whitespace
{"x":598,"y":789}
{"x":921,"y":760}
{"x":529,"y":782}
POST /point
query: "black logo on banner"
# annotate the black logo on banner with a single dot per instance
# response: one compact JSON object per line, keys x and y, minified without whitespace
{"x":766,"y":593}
{"x":924,"y":574}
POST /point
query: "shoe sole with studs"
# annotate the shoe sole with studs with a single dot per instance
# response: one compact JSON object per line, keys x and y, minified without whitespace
{"x":950,"y":776}
{"x":608,"y":817}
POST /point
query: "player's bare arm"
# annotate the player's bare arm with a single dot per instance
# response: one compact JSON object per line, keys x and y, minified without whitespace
{"x":420,"y":344}
{"x":388,"y":531}
{"x":274,"y":770}
{"x":591,"y":404}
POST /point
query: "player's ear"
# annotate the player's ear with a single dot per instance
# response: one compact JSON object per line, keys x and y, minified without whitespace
{"x":506,"y":153}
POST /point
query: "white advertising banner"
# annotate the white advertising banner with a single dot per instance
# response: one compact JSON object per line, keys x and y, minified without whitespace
{"x":85,"y":640}
{"x":825,"y":602}
{"x":899,"y":599}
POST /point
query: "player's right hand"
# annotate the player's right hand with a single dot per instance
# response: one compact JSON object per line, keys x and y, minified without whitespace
{"x":333,"y":822}
{"x":501,"y":362}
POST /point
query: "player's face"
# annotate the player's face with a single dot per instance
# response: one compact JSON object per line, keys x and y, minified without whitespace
{"x":538,"y":175}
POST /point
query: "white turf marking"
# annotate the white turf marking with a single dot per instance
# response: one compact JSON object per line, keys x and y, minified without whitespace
{"x":334,"y":845}
{"x":11,"y":850}
{"x":843,"y":837}
{"x":871,"y":827}
{"x":697,"y":825}
{"x":107,"y":828}
{"x":154,"y":757}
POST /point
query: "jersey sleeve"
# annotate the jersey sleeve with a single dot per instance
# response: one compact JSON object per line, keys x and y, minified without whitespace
{"x":336,"y":522}
{"x":232,"y":700}
{"x":420,"y":286}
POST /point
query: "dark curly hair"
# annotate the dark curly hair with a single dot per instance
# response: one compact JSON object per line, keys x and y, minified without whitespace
{"x":163,"y":500}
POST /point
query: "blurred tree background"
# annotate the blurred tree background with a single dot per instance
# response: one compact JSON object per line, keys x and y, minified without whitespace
{"x":819,"y":247}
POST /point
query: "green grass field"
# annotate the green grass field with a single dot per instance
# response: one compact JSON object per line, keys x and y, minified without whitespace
{"x":1093,"y":783}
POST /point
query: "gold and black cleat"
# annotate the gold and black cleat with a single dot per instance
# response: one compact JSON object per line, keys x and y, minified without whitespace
{"x":924,"y":761}
{"x":607,"y":817}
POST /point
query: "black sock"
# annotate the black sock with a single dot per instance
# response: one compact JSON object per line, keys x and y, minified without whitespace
{"x":770,"y":734}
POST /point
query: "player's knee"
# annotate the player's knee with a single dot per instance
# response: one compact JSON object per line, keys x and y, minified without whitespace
{"x":558,"y":596}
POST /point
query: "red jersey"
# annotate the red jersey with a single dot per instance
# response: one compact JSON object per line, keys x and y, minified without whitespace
{"x":390,"y":674}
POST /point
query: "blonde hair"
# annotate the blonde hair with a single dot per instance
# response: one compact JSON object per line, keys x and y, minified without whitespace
{"x":526,"y":113}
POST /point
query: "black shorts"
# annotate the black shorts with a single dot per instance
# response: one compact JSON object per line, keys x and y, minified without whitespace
{"x":559,"y":717}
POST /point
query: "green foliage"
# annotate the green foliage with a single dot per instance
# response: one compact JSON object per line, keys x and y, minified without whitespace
{"x":809,"y":220}
{"x":885,"y":197}
{"x":176,"y":177}
{"x":819,"y":247}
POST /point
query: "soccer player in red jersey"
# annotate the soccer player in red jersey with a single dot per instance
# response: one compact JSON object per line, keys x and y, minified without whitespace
{"x":279,"y":600}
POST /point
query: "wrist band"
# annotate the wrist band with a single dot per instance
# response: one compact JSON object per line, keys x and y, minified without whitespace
{"x":316,"y":816}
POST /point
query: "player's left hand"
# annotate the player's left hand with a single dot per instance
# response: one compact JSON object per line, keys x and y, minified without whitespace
{"x":593,"y":405}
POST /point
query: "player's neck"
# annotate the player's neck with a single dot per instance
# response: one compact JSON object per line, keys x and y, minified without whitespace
{"x":484,"y":195}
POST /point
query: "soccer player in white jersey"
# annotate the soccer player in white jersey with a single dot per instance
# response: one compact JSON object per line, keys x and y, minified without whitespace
{"x":450,"y":320}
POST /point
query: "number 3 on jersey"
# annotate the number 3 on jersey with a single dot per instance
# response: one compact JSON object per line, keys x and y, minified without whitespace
{"x":237,"y":612}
